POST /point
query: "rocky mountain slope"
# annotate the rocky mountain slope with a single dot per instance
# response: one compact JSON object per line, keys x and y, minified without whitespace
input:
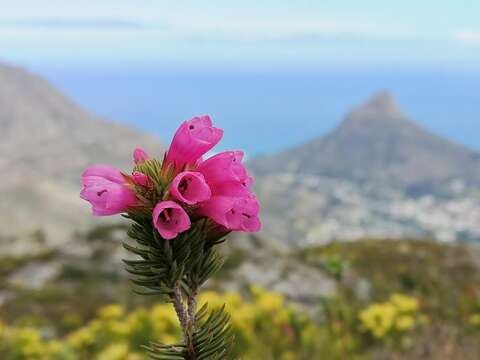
{"x":377,"y":174}
{"x":45,"y":142}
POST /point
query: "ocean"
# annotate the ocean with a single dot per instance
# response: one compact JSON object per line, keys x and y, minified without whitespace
{"x":264,"y":111}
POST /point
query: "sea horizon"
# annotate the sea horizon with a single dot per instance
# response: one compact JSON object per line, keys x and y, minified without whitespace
{"x":287,"y":107}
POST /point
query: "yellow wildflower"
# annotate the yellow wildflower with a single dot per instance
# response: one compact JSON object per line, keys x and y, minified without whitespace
{"x":404,"y":303}
{"x":111,"y":312}
{"x":404,"y":323}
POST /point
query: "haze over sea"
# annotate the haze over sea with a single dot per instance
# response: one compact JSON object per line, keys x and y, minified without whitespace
{"x":281,"y":107}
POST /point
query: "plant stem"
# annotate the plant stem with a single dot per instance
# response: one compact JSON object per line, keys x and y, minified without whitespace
{"x":183,"y":317}
{"x":180,"y":310}
{"x":192,"y":307}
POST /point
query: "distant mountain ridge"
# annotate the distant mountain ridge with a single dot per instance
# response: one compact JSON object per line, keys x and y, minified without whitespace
{"x":46,"y":141}
{"x":376,"y":175}
{"x":377,"y":143}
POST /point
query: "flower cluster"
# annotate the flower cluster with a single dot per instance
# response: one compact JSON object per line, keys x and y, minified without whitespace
{"x":397,"y":316}
{"x":181,"y":188}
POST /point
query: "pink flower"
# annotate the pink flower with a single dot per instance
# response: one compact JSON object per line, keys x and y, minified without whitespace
{"x":225,"y":166}
{"x":231,"y":188}
{"x":140,"y":156}
{"x":141,"y":179}
{"x":193,"y":139}
{"x":170,"y":219}
{"x":105,"y":171}
{"x":104,"y":187}
{"x":190,"y":187}
{"x":239,"y":213}
{"x":226,"y":175}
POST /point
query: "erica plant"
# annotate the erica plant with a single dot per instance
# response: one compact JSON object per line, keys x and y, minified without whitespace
{"x":181,"y":208}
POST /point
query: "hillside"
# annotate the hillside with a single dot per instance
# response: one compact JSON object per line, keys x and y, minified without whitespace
{"x":46,"y":142}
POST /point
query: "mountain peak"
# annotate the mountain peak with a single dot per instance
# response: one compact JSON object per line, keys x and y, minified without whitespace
{"x":380,"y":109}
{"x":382,"y":101}
{"x":376,"y":143}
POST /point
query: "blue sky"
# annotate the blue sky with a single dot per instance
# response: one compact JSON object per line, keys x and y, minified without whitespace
{"x":243,"y":33}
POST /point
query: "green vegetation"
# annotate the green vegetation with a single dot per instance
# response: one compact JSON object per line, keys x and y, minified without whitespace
{"x":445,"y":277}
{"x":395,"y":300}
{"x":442,"y":282}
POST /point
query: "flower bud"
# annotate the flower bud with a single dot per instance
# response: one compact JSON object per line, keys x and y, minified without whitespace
{"x":140,"y":156}
{"x":141,"y":179}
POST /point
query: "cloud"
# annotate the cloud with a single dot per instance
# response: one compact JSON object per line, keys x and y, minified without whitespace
{"x":230,"y":28}
{"x":261,"y":29}
{"x":468,"y":37}
{"x":86,"y":23}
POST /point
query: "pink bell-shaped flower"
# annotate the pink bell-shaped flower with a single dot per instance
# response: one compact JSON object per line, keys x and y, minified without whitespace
{"x":239,"y":214}
{"x":170,"y":219}
{"x":190,"y":187}
{"x":192,"y":140}
{"x":104,"y":187}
